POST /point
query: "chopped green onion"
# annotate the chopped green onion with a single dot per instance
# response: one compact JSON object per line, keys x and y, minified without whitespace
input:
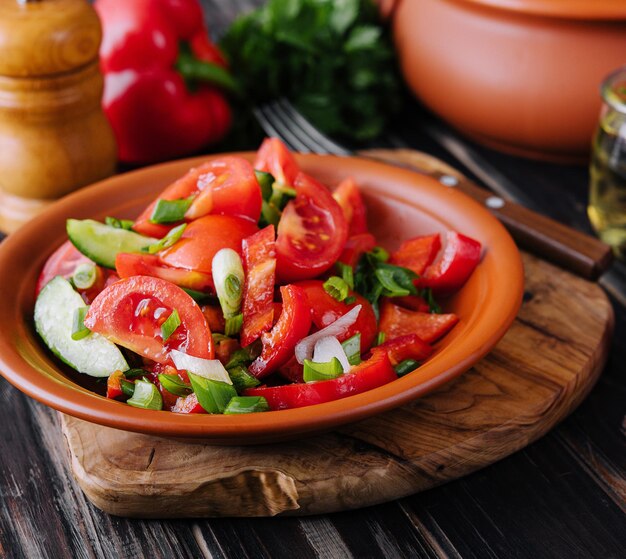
{"x":322,"y":371}
{"x":128,"y":388}
{"x":270,"y":214}
{"x":170,"y":325}
{"x":132,"y":373}
{"x":218,"y":337}
{"x":388,"y":281}
{"x":380,"y":254}
{"x":380,"y":338}
{"x":228,"y":278}
{"x":79,"y":330}
{"x":85,"y":275}
{"x":350,"y":300}
{"x":197,"y":296}
{"x":170,"y":239}
{"x":406,"y":366}
{"x":174,"y":385}
{"x":233,"y":325}
{"x":347,"y":273}
{"x":244,"y":356}
{"x":246,"y":404}
{"x":281,"y":196}
{"x":119,"y":223}
{"x":242,"y":379}
{"x":170,"y":211}
{"x":352,"y":348}
{"x":337,"y":288}
{"x":427,"y":294}
{"x":146,"y":395}
{"x":266,"y":180}
{"x":213,"y":395}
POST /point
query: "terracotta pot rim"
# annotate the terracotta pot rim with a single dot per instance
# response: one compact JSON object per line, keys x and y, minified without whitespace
{"x":564,"y":9}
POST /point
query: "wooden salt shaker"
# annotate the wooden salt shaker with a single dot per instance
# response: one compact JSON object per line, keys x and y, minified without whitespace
{"x":54,"y":137}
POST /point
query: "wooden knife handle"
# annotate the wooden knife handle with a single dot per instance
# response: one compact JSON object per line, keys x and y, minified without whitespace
{"x":577,"y":252}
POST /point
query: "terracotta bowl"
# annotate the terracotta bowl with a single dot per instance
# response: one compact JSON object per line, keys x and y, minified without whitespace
{"x":401,"y":204}
{"x":522,"y":76}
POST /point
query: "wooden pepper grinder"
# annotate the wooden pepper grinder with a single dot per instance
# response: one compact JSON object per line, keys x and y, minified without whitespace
{"x":54,"y":137}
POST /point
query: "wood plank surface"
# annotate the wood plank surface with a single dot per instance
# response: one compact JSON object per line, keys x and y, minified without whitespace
{"x":536,"y":375}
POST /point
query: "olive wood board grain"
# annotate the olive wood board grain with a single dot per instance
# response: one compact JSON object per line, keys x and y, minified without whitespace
{"x":536,"y":375}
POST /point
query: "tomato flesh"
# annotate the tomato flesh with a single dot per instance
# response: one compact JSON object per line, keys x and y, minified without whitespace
{"x":370,"y":374}
{"x":62,"y":262}
{"x":409,"y":346}
{"x":279,"y":343}
{"x":259,"y":257}
{"x":130,"y":313}
{"x":311,"y":233}
{"x":417,"y":254}
{"x":355,"y":246}
{"x":273,"y":157}
{"x":226,"y":186}
{"x":396,"y":321}
{"x":203,"y":238}
{"x":349,"y":198}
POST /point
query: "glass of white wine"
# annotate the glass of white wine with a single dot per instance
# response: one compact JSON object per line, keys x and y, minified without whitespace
{"x":607,"y":193}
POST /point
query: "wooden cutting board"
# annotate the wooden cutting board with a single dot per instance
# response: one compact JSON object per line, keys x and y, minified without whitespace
{"x":538,"y":373}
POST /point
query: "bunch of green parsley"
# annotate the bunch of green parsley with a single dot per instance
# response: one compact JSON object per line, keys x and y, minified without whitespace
{"x":332,"y":58}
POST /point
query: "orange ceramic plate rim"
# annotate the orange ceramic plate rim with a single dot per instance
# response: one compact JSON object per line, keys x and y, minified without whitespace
{"x":562,"y":9}
{"x":498,"y":283}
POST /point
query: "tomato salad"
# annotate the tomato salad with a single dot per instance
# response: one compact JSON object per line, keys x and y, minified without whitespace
{"x":246,"y":288}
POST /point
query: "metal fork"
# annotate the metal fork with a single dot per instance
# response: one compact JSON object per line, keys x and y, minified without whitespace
{"x":571,"y":249}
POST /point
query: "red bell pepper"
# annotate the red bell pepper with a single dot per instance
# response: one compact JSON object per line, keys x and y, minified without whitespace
{"x":448,"y":274}
{"x":355,"y":246}
{"x":409,"y":346}
{"x":279,"y":343}
{"x":396,"y":321}
{"x":349,"y":198}
{"x":162,"y":78}
{"x":370,"y":374}
{"x":114,"y":385}
{"x":417,"y":254}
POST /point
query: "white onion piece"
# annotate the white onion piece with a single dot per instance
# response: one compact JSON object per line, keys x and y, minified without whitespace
{"x":329,"y":347}
{"x":304,"y":348}
{"x":208,"y":368}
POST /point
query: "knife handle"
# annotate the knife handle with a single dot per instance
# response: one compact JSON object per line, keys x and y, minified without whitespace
{"x":577,"y":252}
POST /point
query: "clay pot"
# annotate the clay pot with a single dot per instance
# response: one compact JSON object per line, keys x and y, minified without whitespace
{"x":519,"y":75}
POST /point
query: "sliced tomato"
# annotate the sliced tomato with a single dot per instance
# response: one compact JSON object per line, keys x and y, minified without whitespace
{"x":409,"y":346}
{"x":349,"y":198}
{"x":226,"y":186}
{"x":355,"y":246}
{"x":311,"y":233}
{"x":279,"y":343}
{"x":273,"y":157}
{"x":459,"y":259}
{"x":130,"y":313}
{"x":114,"y":386}
{"x":417,"y":254}
{"x":259,"y":258}
{"x":370,"y":374}
{"x":128,"y":265}
{"x":188,"y":404}
{"x":325,"y":310}
{"x":292,"y":370}
{"x":396,"y":321}
{"x":203,"y":238}
{"x":225,"y":348}
{"x":215,"y":318}
{"x":412,"y":302}
{"x":62,"y":262}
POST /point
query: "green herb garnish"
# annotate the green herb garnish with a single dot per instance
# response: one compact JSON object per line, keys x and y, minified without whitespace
{"x":170,"y":325}
{"x":170,"y":211}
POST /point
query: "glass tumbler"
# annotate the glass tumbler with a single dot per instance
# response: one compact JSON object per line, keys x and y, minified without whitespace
{"x":607,"y":194}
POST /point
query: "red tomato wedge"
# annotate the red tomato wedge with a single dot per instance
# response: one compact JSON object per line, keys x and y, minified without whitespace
{"x":273,"y":157}
{"x":409,"y":346}
{"x":349,"y":198}
{"x":417,"y":254}
{"x":355,"y":246}
{"x":396,"y":321}
{"x":203,"y":238}
{"x":259,"y":260}
{"x":325,"y":310}
{"x":459,"y":259}
{"x":311,"y":233}
{"x":370,"y":374}
{"x":226,"y":186}
{"x":412,"y":302}
{"x":62,"y":262}
{"x":131,"y":312}
{"x":128,"y":265}
{"x":279,"y":343}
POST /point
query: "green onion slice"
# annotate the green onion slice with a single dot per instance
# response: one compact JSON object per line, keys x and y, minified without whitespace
{"x":347,"y":273}
{"x":337,"y":288}
{"x":228,"y":278}
{"x":169,"y":240}
{"x":119,"y":223}
{"x":128,"y":388}
{"x":266,"y":180}
{"x":170,"y":211}
{"x":246,"y":404}
{"x":146,"y":396}
{"x":352,"y":347}
{"x":380,"y":338}
{"x":170,"y":325}
{"x":242,"y":379}
{"x":213,"y":395}
{"x":233,"y":325}
{"x":406,"y":366}
{"x":174,"y":385}
{"x":85,"y":275}
{"x":270,"y":214}
{"x":322,"y":371}
{"x":79,"y":330}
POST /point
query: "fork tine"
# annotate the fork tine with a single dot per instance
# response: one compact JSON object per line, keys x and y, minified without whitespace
{"x":321,"y":142}
{"x":273,"y":124}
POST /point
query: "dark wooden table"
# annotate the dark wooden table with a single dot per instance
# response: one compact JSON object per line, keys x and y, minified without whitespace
{"x":562,"y":497}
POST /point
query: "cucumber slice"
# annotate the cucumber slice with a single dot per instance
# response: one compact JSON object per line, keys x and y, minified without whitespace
{"x":102,"y":243}
{"x":54,"y":313}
